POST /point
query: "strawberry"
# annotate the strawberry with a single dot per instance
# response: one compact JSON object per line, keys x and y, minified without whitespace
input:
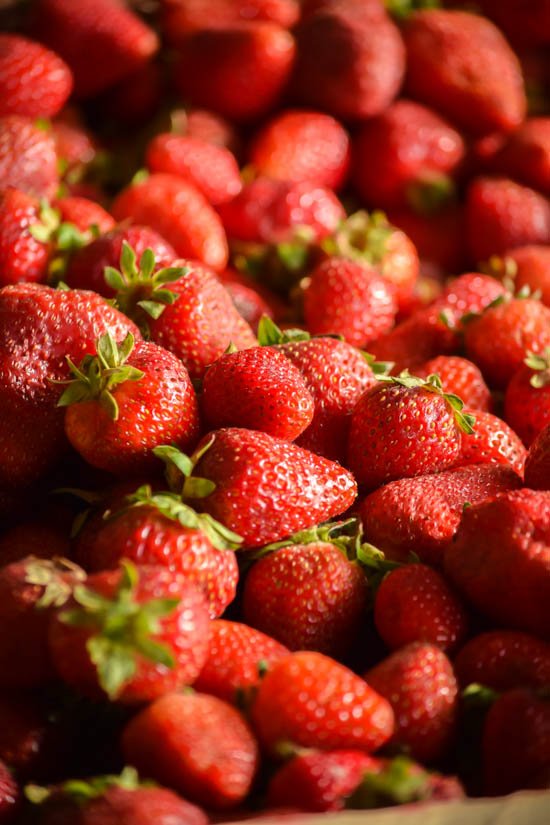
{"x":84,"y":214}
{"x":501,"y":215}
{"x":177,"y":211}
{"x":9,"y":794}
{"x":504,"y":659}
{"x":239,"y":71}
{"x":517,"y":756}
{"x":258,"y":389}
{"x":460,"y":64}
{"x":421,"y":515}
{"x":237,"y":659}
{"x":125,"y":401}
{"x":312,"y":701}
{"x":415,"y":604}
{"x":102,"y":41}
{"x":407,"y":156}
{"x":23,"y":257}
{"x":525,"y":23}
{"x":349,"y":64}
{"x":251,"y":299}
{"x":500,"y":559}
{"x":266,"y":488}
{"x":300,"y":145}
{"x":417,"y":423}
{"x":212,"y":169}
{"x":438,"y":236}
{"x":525,"y":155}
{"x":27,"y":157}
{"x":197,"y":744}
{"x":206,"y":126}
{"x":419,"y":683}
{"x":500,"y":338}
{"x":532,"y":265}
{"x":25,"y":734}
{"x":75,"y":146}
{"x":494,"y":441}
{"x":461,"y":377}
{"x":132,"y":634}
{"x":179,"y":19}
{"x":348,"y":298}
{"x":527,"y":399}
{"x":537,"y":464}
{"x":34,"y":81}
{"x":33,"y":538}
{"x":39,"y":326}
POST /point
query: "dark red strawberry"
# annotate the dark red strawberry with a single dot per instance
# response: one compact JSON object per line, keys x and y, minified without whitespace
{"x":421,"y":515}
{"x":179,"y":19}
{"x":34,"y":81}
{"x":25,"y":733}
{"x":500,"y":559}
{"x":310,"y":700}
{"x":23,"y":257}
{"x":438,"y":237}
{"x":33,"y":538}
{"x":525,"y":155}
{"x":206,"y":126}
{"x":494,"y":441}
{"x":504,"y":659}
{"x":461,"y":377}
{"x":9,"y":794}
{"x":460,"y":64}
{"x":28,"y":160}
{"x":527,"y":399}
{"x":537,"y":464}
{"x":197,"y":744}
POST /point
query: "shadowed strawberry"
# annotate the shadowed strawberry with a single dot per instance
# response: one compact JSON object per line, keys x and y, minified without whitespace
{"x":34,"y":81}
{"x":132,"y":634}
{"x":527,"y":399}
{"x":33,"y":538}
{"x":461,"y":377}
{"x":504,"y":659}
{"x":9,"y":794}
{"x":525,"y":155}
{"x":85,"y":214}
{"x":537,"y":464}
{"x":532,"y":269}
{"x":23,"y":256}
{"x":179,"y":19}
{"x":28,"y":160}
{"x":492,"y":441}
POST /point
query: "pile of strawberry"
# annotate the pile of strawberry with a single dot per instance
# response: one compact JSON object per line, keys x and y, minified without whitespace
{"x":275,"y":408}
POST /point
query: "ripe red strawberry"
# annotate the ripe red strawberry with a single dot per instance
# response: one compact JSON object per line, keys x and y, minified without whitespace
{"x":406,"y":156}
{"x":504,"y":659}
{"x":309,"y":596}
{"x":494,"y":441}
{"x":421,"y":515}
{"x":500,"y":339}
{"x":266,"y":488}
{"x":348,"y":298}
{"x":460,"y":64}
{"x":137,"y":98}
{"x":501,"y":215}
{"x":180,"y":213}
{"x":404,"y":427}
{"x":312,"y":701}
{"x":500,"y":559}
{"x":212,"y":169}
{"x":300,"y":145}
{"x":258,"y":389}
{"x":132,"y":634}
{"x":350,"y":64}
{"x":38,"y":327}
{"x":252,"y":300}
{"x":237,"y":659}
{"x":525,"y":156}
{"x":28,"y":159}
{"x":206,"y":126}
{"x":34,"y":81}
{"x":9,"y":794}
{"x":537,"y":464}
{"x":461,"y":377}
{"x":533,"y":269}
{"x":197,"y":744}
{"x":84,"y":214}
{"x":419,"y":683}
{"x":527,"y":399}
{"x":415,"y":604}
{"x":239,"y":71}
{"x":438,"y":237}
{"x":517,"y":756}
{"x":178,"y":19}
{"x":22,"y":256}
{"x":75,"y":146}
{"x":101,"y":40}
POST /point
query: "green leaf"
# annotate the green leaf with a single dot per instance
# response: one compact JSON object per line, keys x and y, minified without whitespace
{"x":157,"y":653}
{"x":197,"y":487}
{"x":107,"y":350}
{"x":36,"y":794}
{"x":115,"y":664}
{"x":114,"y":278}
{"x":147,"y":263}
{"x":152,"y":308}
{"x":294,"y":256}
{"x":109,"y":404}
{"x":171,"y":455}
{"x":128,"y":260}
{"x":269,"y":333}
{"x":221,"y":536}
{"x":157,"y":608}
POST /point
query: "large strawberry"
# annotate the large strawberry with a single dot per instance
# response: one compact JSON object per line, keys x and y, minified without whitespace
{"x":34,"y":81}
{"x":527,"y":399}
{"x":28,"y":159}
{"x":537,"y":464}
{"x":504,"y":659}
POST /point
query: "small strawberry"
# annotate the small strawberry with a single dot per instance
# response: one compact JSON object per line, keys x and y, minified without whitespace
{"x":527,"y":399}
{"x":537,"y":464}
{"x":238,"y":658}
{"x":532,"y":264}
{"x":179,"y":212}
{"x":85,"y":214}
{"x":212,"y":169}
{"x":28,"y":159}
{"x":23,"y":257}
{"x":197,"y":744}
{"x":461,"y":377}
{"x":405,"y":427}
{"x":240,"y":71}
{"x":500,"y":559}
{"x":525,"y":155}
{"x":259,"y":389}
{"x":266,"y":488}
{"x":349,"y":64}
{"x":132,"y":634}
{"x":494,"y":441}
{"x":504,"y":659}
{"x":421,"y":515}
{"x":34,"y":81}
{"x":460,"y":64}
{"x":501,"y":215}
{"x":419,"y":683}
{"x":312,"y":701}
{"x":206,"y":126}
{"x":179,"y":19}
{"x":407,"y":156}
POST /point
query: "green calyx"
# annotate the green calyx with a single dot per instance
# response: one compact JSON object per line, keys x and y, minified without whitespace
{"x":278,"y":265}
{"x":83,"y":790}
{"x":57,"y":576}
{"x":141,"y":293}
{"x":503,"y":269}
{"x":122,"y":630}
{"x":430,"y":192}
{"x":361,"y":237}
{"x":399,"y":782}
{"x":63,"y":238}
{"x":97,"y":375}
{"x":270,"y":335}
{"x":540,"y":363}
{"x":433,"y":384}
{"x":402,"y":9}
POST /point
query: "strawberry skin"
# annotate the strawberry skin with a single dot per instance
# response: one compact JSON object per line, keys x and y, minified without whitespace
{"x":28,"y":160}
{"x":9,"y":794}
{"x":181,"y":18}
{"x":22,"y":257}
{"x":34,"y":81}
{"x":537,"y":464}
{"x":525,"y":156}
{"x":84,"y":214}
{"x":312,"y":701}
{"x":533,"y":269}
{"x":504,"y":659}
{"x":131,"y":806}
{"x":494,"y":441}
{"x":267,"y":489}
{"x":527,"y":404}
{"x":461,"y":377}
